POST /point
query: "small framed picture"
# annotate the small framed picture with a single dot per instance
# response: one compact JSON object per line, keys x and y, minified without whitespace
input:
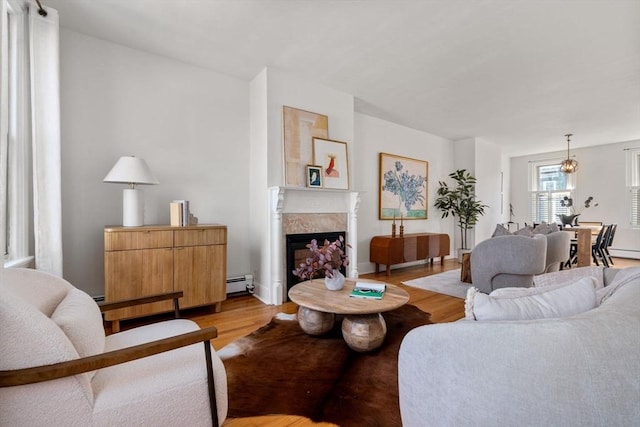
{"x":332,"y":156}
{"x":314,"y":176}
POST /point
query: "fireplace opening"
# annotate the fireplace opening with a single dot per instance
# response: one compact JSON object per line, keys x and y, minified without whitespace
{"x":297,"y":252}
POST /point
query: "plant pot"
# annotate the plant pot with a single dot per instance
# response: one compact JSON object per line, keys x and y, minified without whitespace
{"x":462,"y":252}
{"x":336,"y":282}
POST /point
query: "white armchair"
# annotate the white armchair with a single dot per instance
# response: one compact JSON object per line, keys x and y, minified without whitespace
{"x":59,"y":369}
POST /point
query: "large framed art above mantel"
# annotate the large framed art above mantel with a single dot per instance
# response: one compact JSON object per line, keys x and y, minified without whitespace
{"x":299,"y":129}
{"x":403,"y":187}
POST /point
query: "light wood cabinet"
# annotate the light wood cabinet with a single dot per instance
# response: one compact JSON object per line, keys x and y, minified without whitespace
{"x":147,"y":260}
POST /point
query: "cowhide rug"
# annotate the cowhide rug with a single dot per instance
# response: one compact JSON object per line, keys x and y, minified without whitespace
{"x":279,"y":369}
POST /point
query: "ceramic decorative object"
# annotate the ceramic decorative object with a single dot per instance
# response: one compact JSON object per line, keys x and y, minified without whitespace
{"x":569,"y":219}
{"x":336,"y":282}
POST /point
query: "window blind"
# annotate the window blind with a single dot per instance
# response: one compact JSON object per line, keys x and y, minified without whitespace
{"x":546,"y":205}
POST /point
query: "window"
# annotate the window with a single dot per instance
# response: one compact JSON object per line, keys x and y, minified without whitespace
{"x":633,"y":185}
{"x":16,"y":149}
{"x":547,"y":187}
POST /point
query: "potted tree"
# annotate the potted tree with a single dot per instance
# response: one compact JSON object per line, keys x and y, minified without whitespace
{"x":460,"y":201}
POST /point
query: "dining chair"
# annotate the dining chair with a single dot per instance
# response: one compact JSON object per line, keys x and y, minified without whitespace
{"x":597,"y":248}
{"x":609,"y":242}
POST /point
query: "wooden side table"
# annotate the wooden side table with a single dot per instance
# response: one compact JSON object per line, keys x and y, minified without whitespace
{"x":465,"y":271}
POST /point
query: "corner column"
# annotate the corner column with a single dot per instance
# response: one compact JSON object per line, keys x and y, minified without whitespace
{"x":276,"y":292}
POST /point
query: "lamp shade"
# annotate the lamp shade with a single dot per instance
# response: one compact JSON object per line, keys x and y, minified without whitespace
{"x":131,"y":170}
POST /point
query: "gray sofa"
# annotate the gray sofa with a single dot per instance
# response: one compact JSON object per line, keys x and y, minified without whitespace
{"x":582,"y":370}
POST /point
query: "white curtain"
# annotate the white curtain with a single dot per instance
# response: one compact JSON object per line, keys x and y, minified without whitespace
{"x":3,"y":122}
{"x":44,"y":69}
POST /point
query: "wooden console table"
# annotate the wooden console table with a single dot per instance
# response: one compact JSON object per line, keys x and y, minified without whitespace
{"x":390,"y":250}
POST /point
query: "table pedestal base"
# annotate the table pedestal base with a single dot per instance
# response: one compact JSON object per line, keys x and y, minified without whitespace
{"x":361,"y":332}
{"x":364,"y":332}
{"x":315,"y":322}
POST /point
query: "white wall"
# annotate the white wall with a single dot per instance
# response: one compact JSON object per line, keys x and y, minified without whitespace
{"x":483,"y":160}
{"x":488,"y":174}
{"x":191,"y":125}
{"x":601,"y":174}
{"x":374,"y":136}
{"x":211,"y":139}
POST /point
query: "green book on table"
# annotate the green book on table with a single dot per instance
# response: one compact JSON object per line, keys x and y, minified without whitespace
{"x":368,"y":290}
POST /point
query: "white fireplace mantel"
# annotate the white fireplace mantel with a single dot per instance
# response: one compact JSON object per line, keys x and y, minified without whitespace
{"x":299,"y":200}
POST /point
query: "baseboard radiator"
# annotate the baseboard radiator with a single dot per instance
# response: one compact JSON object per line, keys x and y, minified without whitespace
{"x":240,"y":285}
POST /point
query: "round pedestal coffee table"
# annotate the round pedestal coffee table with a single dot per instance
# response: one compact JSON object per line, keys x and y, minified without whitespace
{"x":363,"y":327}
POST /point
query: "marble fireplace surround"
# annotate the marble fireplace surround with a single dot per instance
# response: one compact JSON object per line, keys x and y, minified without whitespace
{"x":296,"y":210}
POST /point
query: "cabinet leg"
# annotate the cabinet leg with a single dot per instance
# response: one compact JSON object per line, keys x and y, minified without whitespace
{"x":388,"y":270}
{"x":115,"y":326}
{"x":217,"y":307}
{"x":377,"y":268}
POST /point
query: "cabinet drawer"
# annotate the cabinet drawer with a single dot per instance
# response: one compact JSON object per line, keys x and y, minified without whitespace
{"x":200,"y":237}
{"x":147,"y":239}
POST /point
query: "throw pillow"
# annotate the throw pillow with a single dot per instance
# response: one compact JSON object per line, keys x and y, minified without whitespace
{"x":564,"y":276}
{"x":500,"y":231}
{"x":526,"y":231}
{"x":517,"y":292}
{"x":544,"y":228}
{"x":557,"y":301}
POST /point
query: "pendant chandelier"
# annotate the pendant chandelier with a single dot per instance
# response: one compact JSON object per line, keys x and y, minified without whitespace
{"x":569,"y":165}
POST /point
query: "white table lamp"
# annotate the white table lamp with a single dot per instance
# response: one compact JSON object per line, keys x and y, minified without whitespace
{"x":133,"y":171}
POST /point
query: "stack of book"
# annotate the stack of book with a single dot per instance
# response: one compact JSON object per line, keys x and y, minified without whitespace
{"x":179,"y":213}
{"x":368,"y":290}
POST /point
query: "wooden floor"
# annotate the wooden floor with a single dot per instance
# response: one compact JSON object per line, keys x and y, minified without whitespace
{"x":244,"y":314}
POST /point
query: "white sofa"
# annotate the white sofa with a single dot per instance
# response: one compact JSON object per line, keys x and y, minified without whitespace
{"x":44,"y":320}
{"x":582,"y":370}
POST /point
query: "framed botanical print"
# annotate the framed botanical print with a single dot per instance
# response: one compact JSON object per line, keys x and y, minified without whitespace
{"x":299,"y":129}
{"x":332,"y":156}
{"x":403,"y":187}
{"x":314,"y":176}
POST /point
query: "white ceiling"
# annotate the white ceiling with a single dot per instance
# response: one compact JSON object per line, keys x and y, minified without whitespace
{"x":518,"y":73}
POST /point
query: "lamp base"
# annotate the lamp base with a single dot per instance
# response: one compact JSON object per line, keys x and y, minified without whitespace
{"x":132,"y":207}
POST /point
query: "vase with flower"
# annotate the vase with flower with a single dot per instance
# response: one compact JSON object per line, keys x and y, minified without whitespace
{"x":571,"y":218}
{"x":325,"y":261}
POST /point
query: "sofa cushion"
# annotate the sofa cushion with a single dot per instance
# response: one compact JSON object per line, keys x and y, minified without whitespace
{"x":555,"y":301}
{"x":35,"y":339}
{"x":544,"y":228}
{"x":571,"y":274}
{"x":79,"y":318}
{"x":122,"y":391}
{"x":525,"y":231}
{"x":500,"y":230}
{"x":622,"y":278}
{"x":51,"y":288}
